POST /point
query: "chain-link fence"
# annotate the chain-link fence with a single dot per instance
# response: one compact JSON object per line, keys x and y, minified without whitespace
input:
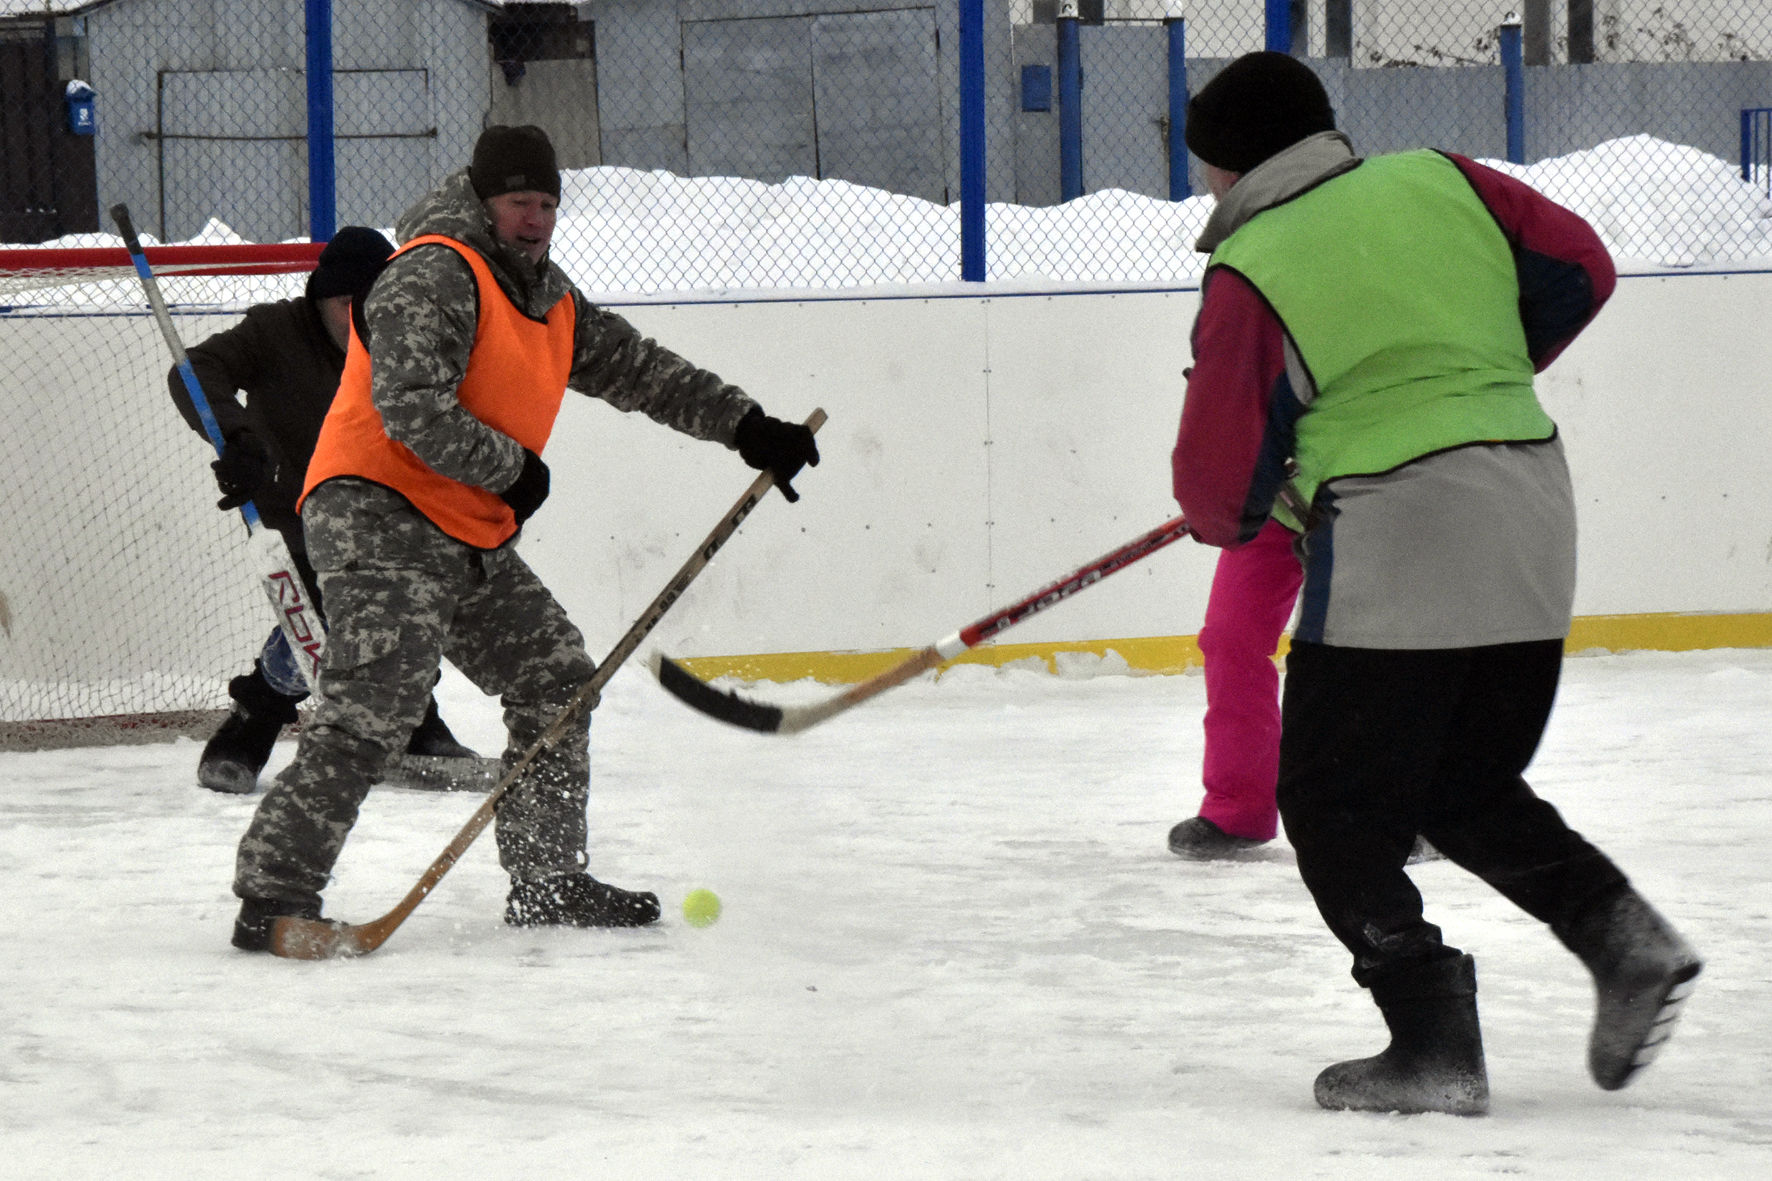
{"x":810,"y":143}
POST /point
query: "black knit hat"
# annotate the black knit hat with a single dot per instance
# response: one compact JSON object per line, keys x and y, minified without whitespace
{"x":514,"y":160}
{"x":349,"y":264}
{"x":1257,"y":106}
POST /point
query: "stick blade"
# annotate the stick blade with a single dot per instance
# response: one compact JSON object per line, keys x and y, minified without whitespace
{"x":317,"y":939}
{"x":730,"y":708}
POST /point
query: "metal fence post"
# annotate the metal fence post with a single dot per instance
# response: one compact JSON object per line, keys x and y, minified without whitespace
{"x":1747,"y":145}
{"x":1279,"y":26}
{"x":972,"y":142}
{"x":322,"y":175}
{"x":1070,"y":104}
{"x":1176,"y":25}
{"x":1514,"y":70}
{"x":1756,"y":148}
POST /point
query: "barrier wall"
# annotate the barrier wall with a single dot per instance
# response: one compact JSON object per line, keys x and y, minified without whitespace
{"x":980,"y":446}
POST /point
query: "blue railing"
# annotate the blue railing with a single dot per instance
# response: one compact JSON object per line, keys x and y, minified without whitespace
{"x":1756,"y":147}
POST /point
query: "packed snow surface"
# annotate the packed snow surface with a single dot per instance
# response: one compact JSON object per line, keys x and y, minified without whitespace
{"x":954,"y":946}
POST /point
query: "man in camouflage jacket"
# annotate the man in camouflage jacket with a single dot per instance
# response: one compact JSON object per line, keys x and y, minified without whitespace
{"x":413,"y":500}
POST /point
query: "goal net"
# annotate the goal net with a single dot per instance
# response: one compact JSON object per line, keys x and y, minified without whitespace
{"x":126,"y":597}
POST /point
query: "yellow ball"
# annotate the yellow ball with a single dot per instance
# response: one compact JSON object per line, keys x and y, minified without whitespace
{"x":701,"y":907}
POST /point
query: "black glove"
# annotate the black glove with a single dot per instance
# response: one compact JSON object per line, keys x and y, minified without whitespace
{"x":782,"y":448}
{"x":243,"y":470}
{"x":531,"y":488}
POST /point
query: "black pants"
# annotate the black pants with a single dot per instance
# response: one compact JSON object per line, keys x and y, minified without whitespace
{"x":1378,"y":745}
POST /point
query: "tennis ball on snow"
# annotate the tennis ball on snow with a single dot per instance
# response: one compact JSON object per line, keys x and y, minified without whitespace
{"x":701,"y":907}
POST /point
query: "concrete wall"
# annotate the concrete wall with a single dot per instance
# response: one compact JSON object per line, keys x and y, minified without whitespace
{"x":415,"y":87}
{"x":410,"y":97}
{"x":640,"y":62}
{"x":1567,"y":108}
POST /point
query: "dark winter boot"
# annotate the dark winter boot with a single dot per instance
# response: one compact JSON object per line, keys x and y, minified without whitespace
{"x":1435,"y":1059}
{"x":1198,"y":839}
{"x":252,"y":927}
{"x":239,"y":749}
{"x":578,"y":900}
{"x":433,"y":739}
{"x":1643,"y":971}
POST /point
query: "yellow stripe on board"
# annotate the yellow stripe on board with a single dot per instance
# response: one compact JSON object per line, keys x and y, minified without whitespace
{"x":1669,"y":632}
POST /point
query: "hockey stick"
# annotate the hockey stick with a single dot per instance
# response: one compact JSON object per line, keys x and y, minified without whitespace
{"x":289,"y":595}
{"x":788,"y":719}
{"x":317,"y":939}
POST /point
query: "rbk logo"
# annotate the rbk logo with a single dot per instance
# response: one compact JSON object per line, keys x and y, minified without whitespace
{"x":299,"y":624}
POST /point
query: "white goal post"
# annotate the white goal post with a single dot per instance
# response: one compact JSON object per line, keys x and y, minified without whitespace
{"x":126,"y":600}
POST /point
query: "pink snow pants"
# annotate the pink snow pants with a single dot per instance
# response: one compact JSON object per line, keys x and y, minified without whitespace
{"x":1253,"y":592}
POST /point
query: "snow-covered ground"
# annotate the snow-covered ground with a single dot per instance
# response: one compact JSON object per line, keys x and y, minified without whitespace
{"x":954,"y":946}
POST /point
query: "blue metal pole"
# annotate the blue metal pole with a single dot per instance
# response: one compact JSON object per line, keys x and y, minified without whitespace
{"x":1747,"y":145}
{"x":322,"y":177}
{"x":1279,"y":26}
{"x":1179,"y":188}
{"x":972,"y":142}
{"x":1513,"y":67}
{"x":1070,"y":104}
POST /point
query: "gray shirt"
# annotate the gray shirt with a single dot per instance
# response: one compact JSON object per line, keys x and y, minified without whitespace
{"x":1461,"y":548}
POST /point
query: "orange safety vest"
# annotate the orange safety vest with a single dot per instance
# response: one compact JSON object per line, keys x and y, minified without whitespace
{"x":515,"y":382}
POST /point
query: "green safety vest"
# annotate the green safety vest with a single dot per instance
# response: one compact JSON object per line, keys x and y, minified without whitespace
{"x":1432,"y":353}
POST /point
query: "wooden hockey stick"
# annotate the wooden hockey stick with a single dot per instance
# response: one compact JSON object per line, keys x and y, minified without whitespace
{"x":291,"y":600}
{"x":788,"y":719}
{"x":318,"y":939}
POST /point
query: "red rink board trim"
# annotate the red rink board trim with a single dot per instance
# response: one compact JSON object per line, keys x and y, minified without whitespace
{"x":284,"y":258}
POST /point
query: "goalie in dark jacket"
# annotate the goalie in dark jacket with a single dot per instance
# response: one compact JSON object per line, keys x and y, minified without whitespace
{"x":286,"y":357}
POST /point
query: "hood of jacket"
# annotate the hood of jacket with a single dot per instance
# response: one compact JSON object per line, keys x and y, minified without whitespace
{"x":1281,"y":177}
{"x":453,"y":210}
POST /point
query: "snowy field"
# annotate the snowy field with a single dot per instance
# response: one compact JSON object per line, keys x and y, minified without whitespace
{"x":954,"y":946}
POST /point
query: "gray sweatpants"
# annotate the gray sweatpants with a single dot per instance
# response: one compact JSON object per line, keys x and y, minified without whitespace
{"x":400,"y":596}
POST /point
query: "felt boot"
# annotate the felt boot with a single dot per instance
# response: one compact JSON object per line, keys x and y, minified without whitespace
{"x":239,"y":749}
{"x":1435,"y":1059}
{"x":578,"y":900}
{"x":1643,"y":971}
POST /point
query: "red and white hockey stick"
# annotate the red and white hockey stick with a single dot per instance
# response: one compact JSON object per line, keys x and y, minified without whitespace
{"x":788,"y":719}
{"x":290,"y":598}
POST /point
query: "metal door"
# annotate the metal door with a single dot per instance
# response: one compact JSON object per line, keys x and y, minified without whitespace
{"x":851,"y":96}
{"x":878,"y":103}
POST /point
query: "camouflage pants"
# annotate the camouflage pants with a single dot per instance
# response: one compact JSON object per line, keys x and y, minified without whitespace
{"x":400,"y":596}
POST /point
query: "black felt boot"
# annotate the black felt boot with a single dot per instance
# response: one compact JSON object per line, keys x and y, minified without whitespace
{"x":1643,"y":971}
{"x":1198,"y":839}
{"x":578,"y":900}
{"x":239,"y":749}
{"x":1435,"y":1059}
{"x":433,"y":738}
{"x":252,"y":926}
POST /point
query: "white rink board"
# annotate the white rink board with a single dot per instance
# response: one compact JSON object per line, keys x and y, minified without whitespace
{"x":982,"y":445}
{"x":1665,"y":404}
{"x":979,"y":446}
{"x":967,"y":461}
